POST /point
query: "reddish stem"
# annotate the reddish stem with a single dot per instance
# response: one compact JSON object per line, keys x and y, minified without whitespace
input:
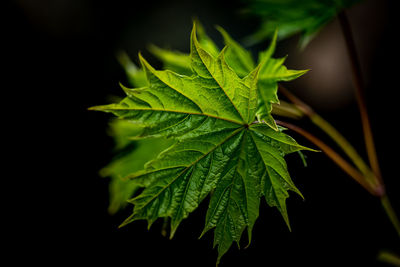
{"x":359,"y":86}
{"x":343,"y":164}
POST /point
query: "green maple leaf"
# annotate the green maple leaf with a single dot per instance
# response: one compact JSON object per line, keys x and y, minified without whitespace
{"x":242,"y":62}
{"x":220,"y":148}
{"x":306,"y":17}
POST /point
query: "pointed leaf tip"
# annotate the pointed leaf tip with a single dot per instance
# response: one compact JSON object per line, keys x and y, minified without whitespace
{"x":99,"y":108}
{"x":222,"y":31}
{"x":95,"y":108}
{"x":124,"y":88}
{"x":173,"y":229}
{"x":127,"y":221}
{"x":221,"y":54}
{"x":203,"y":233}
{"x":194,"y":30}
{"x":142,"y":60}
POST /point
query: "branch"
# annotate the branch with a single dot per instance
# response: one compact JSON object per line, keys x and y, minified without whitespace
{"x":334,"y":134}
{"x":336,"y":158}
{"x":391,"y":213}
{"x":359,"y":86}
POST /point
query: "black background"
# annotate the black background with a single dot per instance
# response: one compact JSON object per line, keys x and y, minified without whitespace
{"x":63,"y":61}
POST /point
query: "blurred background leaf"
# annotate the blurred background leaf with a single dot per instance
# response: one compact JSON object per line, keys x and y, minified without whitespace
{"x":130,"y":157}
{"x":290,"y":17}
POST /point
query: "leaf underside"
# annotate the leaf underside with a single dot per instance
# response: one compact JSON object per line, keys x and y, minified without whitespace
{"x":220,"y":148}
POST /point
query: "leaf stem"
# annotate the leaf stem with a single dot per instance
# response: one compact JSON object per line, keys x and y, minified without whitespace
{"x":368,"y":175}
{"x":334,"y":134}
{"x":335,"y":157}
{"x":360,"y":96}
{"x":391,"y":213}
{"x":287,"y":110}
{"x":359,"y":86}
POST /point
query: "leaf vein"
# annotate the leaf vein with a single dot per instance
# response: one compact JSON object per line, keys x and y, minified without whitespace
{"x":193,"y":163}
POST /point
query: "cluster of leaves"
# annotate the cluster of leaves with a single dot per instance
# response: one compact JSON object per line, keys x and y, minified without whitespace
{"x":306,"y":17}
{"x":215,"y":106}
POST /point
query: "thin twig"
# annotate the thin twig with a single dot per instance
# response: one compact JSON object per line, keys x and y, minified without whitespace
{"x":369,"y":142}
{"x":287,"y":110}
{"x":334,"y":134}
{"x":391,"y":213}
{"x":306,"y":109}
{"x":359,"y":86}
{"x":336,"y":158}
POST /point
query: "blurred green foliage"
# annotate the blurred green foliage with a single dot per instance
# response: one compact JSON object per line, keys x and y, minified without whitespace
{"x":290,"y":17}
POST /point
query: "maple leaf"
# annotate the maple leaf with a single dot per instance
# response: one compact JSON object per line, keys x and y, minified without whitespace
{"x":220,"y":148}
{"x":242,"y":62}
{"x":306,"y":17}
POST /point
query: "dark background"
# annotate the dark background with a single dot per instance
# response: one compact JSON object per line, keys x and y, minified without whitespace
{"x":60,"y":60}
